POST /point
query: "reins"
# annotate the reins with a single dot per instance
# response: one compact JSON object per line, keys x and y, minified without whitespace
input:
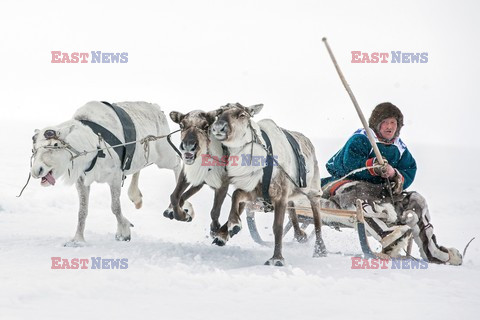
{"x":172,"y":145}
{"x":29,"y":176}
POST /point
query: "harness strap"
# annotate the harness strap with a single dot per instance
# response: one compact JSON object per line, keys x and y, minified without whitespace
{"x":226,"y":156}
{"x":267,"y":174}
{"x":301,"y":165}
{"x":173,"y":145}
{"x":99,"y":154}
{"x":129,"y":133}
{"x":109,"y":137}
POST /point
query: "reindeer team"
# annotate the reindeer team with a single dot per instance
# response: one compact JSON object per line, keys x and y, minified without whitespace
{"x":62,"y":151}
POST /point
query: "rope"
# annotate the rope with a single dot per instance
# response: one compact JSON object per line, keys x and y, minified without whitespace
{"x":285,"y":172}
{"x":142,"y":141}
{"x":26,"y":184}
{"x":29,"y":176}
{"x":256,"y":138}
{"x":357,"y":171}
{"x":465,"y":250}
{"x":172,"y":145}
{"x":145,"y":141}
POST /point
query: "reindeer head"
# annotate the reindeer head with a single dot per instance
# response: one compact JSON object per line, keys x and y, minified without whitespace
{"x":233,"y":123}
{"x":195,"y":127}
{"x":50,"y":157}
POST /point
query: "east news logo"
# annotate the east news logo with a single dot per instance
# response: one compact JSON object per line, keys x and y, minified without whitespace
{"x":93,"y":263}
{"x":209,"y":160}
{"x":394,"y":263}
{"x":392,"y":57}
{"x":92,"y":57}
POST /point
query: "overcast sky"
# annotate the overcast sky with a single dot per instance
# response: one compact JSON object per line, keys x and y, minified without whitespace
{"x":185,"y":55}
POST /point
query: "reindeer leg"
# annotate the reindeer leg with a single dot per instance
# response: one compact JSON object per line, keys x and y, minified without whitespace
{"x":134,"y":193}
{"x":220,"y":195}
{"x":175,"y":210}
{"x":300,"y":235}
{"x":320,"y":250}
{"x":234,"y":224}
{"x":83,"y":196}
{"x":123,"y":225}
{"x":186,"y":206}
{"x":277,"y":259}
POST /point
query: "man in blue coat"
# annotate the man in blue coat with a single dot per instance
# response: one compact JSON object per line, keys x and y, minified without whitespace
{"x":392,"y":214}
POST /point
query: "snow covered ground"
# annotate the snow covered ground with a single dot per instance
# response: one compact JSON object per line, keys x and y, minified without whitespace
{"x":175,"y":272}
{"x":202,"y":54}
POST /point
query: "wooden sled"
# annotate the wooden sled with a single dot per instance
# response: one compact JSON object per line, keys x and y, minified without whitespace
{"x":335,"y":218}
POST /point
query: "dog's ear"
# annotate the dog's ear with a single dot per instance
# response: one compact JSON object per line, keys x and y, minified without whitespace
{"x":176,"y":116}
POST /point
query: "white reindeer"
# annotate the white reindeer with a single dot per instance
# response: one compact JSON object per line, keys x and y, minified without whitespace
{"x":56,"y":154}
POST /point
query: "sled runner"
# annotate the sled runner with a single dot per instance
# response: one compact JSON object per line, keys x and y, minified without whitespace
{"x":335,"y":218}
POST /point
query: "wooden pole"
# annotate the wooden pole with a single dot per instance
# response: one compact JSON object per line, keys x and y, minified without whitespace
{"x":355,"y":103}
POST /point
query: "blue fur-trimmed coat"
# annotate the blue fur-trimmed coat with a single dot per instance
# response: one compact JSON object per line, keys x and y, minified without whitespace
{"x":358,"y":153}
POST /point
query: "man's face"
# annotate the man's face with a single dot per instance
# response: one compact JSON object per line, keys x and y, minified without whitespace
{"x":388,"y":127}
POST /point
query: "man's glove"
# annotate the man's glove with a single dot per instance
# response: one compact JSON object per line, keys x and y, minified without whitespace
{"x":384,"y":170}
{"x":397,"y":183}
{"x":379,"y":169}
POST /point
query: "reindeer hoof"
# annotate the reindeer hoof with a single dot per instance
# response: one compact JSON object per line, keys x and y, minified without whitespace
{"x":275,"y":262}
{"x":138,"y":205}
{"x":319,"y":254}
{"x":74,"y":244}
{"x":188,"y":218}
{"x":234,"y":231}
{"x":168,"y":214}
{"x":302,"y":237}
{"x":319,"y":251}
{"x":219,"y":242}
{"x":122,"y":238}
{"x":214,"y":228}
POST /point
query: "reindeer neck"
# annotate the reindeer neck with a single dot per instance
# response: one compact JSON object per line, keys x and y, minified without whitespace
{"x":252,"y":142}
{"x":248,"y":173}
{"x":82,"y":139}
{"x":251,"y":138}
{"x":214,"y":147}
{"x":204,"y":168}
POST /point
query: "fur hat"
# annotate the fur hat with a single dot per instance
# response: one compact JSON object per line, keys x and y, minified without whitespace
{"x":383,"y":111}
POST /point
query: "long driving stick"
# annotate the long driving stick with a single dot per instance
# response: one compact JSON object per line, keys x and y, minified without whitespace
{"x":355,"y":103}
{"x":360,"y":114}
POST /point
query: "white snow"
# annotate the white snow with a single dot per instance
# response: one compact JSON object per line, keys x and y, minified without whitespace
{"x":201,"y":54}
